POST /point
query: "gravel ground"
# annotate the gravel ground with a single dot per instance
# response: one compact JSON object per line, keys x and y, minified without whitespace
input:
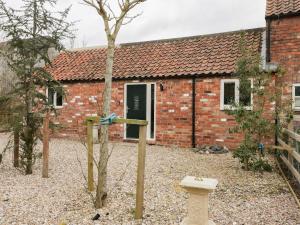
{"x":241,"y":197}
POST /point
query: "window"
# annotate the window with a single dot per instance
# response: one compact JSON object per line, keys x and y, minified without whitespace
{"x":231,"y":94}
{"x":245,"y":96}
{"x":296,"y":96}
{"x":55,"y":98}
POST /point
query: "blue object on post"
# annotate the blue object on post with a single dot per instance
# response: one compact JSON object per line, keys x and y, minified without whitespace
{"x":108,"y":120}
{"x":261,"y":148}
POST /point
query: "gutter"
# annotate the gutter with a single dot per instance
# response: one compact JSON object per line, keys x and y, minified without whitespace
{"x":194,"y":112}
{"x":270,"y":67}
{"x":282,"y":15}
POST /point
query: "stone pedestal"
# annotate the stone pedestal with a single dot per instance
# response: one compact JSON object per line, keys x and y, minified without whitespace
{"x":198,"y":188}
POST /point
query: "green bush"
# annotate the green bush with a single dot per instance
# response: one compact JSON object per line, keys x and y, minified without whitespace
{"x":261,"y":166}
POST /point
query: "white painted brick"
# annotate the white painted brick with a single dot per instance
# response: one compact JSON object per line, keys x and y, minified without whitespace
{"x":208,"y":80}
{"x":224,"y":120}
{"x":94,"y":114}
{"x":203,"y":100}
{"x":65,"y":103}
{"x":56,"y":123}
{"x":171,"y":110}
{"x":80,"y":103}
{"x":184,"y":108}
{"x":219,"y":140}
{"x":186,"y":95}
{"x":77,"y":114}
{"x":69,"y":121}
{"x":211,"y":94}
{"x":169,"y":103}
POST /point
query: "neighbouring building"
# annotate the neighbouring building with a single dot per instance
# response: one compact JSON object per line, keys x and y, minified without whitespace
{"x":181,"y":86}
{"x":7,"y":78}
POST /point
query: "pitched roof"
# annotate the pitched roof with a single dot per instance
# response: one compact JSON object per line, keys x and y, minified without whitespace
{"x":199,"y":55}
{"x":282,"y":7}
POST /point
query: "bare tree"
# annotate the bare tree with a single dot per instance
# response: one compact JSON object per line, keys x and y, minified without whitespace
{"x":112,"y":26}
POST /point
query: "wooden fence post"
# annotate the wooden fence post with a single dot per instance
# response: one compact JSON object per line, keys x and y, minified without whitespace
{"x":45,"y":169}
{"x":141,"y":172}
{"x":90,"y":155}
{"x":291,"y":128}
{"x":16,"y":148}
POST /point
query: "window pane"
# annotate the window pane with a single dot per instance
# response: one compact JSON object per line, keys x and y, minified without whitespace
{"x":297,"y":91}
{"x":245,"y":94}
{"x":229,"y":93}
{"x":297,"y":101}
{"x":50,"y":96}
{"x":59,"y":98}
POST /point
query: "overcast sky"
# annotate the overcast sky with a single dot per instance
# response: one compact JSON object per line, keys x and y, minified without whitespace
{"x":167,"y":19}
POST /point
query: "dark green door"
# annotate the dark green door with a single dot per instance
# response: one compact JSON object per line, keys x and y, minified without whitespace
{"x":136,"y":107}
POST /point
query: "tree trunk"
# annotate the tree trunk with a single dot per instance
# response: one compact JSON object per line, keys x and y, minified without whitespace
{"x":46,"y":146}
{"x":28,"y":150}
{"x":247,"y":164}
{"x":16,"y":148}
{"x":29,"y":132}
{"x":104,"y":151}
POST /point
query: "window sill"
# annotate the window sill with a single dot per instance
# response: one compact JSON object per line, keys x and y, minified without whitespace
{"x":248,"y":108}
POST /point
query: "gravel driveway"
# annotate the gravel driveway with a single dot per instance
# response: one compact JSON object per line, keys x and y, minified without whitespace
{"x":241,"y":197}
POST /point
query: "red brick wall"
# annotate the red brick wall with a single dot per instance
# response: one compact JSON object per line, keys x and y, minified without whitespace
{"x":173,"y":110}
{"x":285,"y":48}
{"x":174,"y":113}
{"x":212,"y":124}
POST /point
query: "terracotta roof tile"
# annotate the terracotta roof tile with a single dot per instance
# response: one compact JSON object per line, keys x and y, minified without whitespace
{"x":282,"y":7}
{"x":199,"y":55}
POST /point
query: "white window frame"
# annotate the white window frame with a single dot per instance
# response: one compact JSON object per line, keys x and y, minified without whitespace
{"x":148,"y":107}
{"x":55,"y":100}
{"x":294,"y":96}
{"x":237,"y":94}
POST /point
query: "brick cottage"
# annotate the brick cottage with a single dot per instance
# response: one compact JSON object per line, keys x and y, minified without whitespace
{"x":181,"y":86}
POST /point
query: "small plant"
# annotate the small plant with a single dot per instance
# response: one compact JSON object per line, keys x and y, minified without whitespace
{"x":261,"y":165}
{"x":246,"y":152}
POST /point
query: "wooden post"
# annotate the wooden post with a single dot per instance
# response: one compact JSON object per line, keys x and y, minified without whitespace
{"x":16,"y":148}
{"x":45,"y":169}
{"x":90,"y":155}
{"x":141,"y":172}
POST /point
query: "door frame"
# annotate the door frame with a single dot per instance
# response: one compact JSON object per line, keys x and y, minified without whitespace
{"x":148,"y":107}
